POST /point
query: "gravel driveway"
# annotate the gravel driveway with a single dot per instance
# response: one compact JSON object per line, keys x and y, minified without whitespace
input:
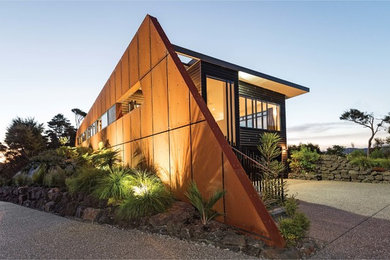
{"x":28,"y":233}
{"x":352,"y":219}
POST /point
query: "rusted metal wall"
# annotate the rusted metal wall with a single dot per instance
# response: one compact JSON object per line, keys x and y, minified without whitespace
{"x":176,"y":131}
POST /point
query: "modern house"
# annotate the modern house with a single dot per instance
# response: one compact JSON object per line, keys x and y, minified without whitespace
{"x":186,"y":115}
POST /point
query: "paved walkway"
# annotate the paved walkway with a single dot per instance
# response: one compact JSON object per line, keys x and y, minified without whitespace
{"x":352,"y":219}
{"x":28,"y":233}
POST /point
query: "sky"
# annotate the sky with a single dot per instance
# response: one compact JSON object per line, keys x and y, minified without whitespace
{"x":57,"y":55}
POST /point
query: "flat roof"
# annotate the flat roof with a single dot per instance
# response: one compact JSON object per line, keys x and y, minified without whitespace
{"x":289,"y":89}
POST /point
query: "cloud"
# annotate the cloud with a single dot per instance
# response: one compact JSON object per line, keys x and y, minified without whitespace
{"x":330,"y":133}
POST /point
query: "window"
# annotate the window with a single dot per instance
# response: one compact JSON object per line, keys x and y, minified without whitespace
{"x":242,"y":111}
{"x":99,"y":125}
{"x":104,"y":120}
{"x":111,"y":114}
{"x":273,"y":117}
{"x":259,"y":114}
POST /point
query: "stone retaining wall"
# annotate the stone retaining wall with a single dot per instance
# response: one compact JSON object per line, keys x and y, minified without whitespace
{"x":331,"y":167}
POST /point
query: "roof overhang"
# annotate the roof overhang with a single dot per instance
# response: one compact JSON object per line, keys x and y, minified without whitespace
{"x":256,"y":78}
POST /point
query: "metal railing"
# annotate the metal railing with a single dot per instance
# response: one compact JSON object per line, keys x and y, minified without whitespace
{"x":269,"y":187}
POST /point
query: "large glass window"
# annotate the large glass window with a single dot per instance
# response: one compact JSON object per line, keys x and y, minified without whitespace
{"x":242,"y":111}
{"x":259,"y":114}
{"x":111,"y":114}
{"x":216,"y":92}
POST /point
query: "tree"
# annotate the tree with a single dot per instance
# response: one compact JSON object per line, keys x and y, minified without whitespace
{"x":79,"y":116}
{"x":336,"y":150}
{"x":60,"y":127}
{"x":3,"y":148}
{"x":270,"y":151}
{"x":25,"y":136}
{"x":366,"y":120}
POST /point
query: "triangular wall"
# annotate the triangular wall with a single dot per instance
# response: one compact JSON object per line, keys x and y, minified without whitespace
{"x":176,"y":131}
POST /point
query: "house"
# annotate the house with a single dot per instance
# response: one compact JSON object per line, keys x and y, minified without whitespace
{"x":185,"y":117}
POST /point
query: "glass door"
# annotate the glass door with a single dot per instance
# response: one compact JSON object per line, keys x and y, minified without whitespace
{"x":220,"y":101}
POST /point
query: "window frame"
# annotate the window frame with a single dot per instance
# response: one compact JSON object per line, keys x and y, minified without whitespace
{"x":255,"y":116}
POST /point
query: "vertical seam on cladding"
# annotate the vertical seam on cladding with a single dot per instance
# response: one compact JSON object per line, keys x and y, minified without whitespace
{"x":169,"y":134}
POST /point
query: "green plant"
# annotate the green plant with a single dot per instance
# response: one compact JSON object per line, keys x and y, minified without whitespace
{"x":39,"y":175}
{"x":22,"y":180}
{"x":55,"y":178}
{"x":115,"y":186}
{"x":304,"y":160}
{"x":367,"y":162}
{"x":148,"y":196}
{"x":103,"y":158}
{"x":269,"y":150}
{"x":294,"y":228}
{"x":377,"y":154}
{"x":356,"y":154}
{"x":5,"y":181}
{"x":291,"y":206}
{"x":203,"y":205}
{"x":85,"y":180}
{"x":336,"y":150}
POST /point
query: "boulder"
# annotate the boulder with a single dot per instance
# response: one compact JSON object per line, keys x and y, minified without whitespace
{"x":179,"y":213}
{"x":49,"y":206}
{"x":21,"y":198}
{"x":79,"y":211}
{"x":91,"y":214}
{"x":54,"y":194}
{"x":27,"y":203}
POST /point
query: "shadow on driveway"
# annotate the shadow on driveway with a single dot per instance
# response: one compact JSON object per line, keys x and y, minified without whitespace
{"x":349,"y":235}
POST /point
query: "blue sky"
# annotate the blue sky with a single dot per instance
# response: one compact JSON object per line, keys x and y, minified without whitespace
{"x":55,"y":56}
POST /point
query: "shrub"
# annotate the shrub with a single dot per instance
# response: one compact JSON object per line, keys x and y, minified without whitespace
{"x":103,"y":158}
{"x":39,"y":175}
{"x":336,"y":150}
{"x":356,"y":154}
{"x":148,"y":196}
{"x":22,"y":180}
{"x":115,"y":186}
{"x":377,"y":154}
{"x":291,"y":206}
{"x":55,"y":178}
{"x":203,"y":205}
{"x":85,"y":180}
{"x":5,"y":181}
{"x":303,"y":160}
{"x":367,"y":162}
{"x":294,"y":228}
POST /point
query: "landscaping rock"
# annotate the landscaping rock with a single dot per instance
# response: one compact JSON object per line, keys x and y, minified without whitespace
{"x":234,"y":241}
{"x":49,"y":206}
{"x":54,"y":194}
{"x":91,"y":214}
{"x":79,"y":211}
{"x":180,"y":212}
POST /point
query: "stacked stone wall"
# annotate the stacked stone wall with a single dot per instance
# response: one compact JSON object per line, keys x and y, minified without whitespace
{"x":331,"y":167}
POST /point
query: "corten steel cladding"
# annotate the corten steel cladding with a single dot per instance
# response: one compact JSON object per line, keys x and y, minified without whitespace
{"x":175,"y":131}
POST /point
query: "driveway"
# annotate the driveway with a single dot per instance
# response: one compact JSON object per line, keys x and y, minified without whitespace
{"x":351,"y":219}
{"x":28,"y":233}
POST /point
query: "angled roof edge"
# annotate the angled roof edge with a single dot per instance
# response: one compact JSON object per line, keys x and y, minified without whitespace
{"x":188,"y":52}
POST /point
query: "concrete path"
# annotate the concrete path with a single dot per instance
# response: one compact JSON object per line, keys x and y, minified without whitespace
{"x":28,"y":233}
{"x":352,"y":219}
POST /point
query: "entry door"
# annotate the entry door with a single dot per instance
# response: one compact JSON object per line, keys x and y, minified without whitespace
{"x":220,"y":101}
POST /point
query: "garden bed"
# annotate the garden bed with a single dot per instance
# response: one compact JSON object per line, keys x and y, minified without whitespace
{"x":180,"y":220}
